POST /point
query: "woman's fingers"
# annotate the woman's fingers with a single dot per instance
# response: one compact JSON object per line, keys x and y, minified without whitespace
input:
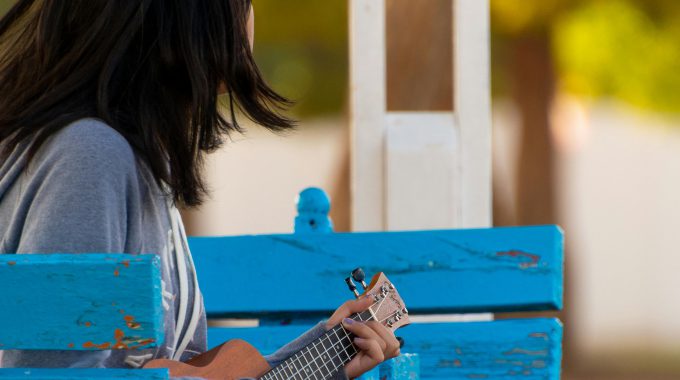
{"x":371,"y":348}
{"x":364,"y":331}
{"x":348,"y":308}
{"x":392,"y":344}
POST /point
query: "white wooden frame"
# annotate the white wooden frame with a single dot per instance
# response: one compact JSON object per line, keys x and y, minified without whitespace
{"x":420,"y":170}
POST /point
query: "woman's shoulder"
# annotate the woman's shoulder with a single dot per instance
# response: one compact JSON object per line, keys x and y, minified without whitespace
{"x":87,"y":146}
{"x":87,"y":138}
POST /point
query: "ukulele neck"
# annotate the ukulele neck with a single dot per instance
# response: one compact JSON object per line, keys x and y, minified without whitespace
{"x":322,"y":358}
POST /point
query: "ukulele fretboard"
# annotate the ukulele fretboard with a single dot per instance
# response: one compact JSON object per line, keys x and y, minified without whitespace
{"x":322,"y":358}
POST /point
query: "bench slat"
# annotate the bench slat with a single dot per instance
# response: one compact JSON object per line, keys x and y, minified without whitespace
{"x":80,"y":302}
{"x":497,"y":269}
{"x":82,"y":373}
{"x":506,"y":349}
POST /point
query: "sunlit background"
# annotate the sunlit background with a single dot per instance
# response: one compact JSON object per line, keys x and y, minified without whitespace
{"x":586,"y":134}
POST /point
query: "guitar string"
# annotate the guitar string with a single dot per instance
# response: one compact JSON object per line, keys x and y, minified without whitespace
{"x":338,"y":355}
{"x":358,"y":315}
{"x":294,"y":358}
{"x":346,"y":336}
{"x":325,"y":350}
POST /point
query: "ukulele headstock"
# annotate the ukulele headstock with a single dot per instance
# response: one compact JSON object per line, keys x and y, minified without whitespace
{"x":388,"y":307}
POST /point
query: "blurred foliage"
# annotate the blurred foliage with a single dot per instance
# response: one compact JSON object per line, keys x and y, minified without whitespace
{"x":623,"y":49}
{"x":513,"y":18}
{"x":5,"y":5}
{"x":301,"y":48}
{"x":626,"y":49}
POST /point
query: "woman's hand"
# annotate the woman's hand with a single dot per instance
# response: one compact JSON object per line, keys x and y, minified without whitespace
{"x":375,"y":342}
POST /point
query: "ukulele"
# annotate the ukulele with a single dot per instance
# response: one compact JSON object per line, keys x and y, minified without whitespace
{"x":319,"y":360}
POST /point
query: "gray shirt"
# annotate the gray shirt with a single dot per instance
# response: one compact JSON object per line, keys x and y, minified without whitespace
{"x":87,"y":191}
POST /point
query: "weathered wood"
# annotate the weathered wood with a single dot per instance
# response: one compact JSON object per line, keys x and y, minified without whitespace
{"x":508,"y":349}
{"x":403,"y":367}
{"x":420,"y":166}
{"x":82,"y":373}
{"x":473,"y":110}
{"x":508,"y":269}
{"x":368,"y":104}
{"x":80,"y":302}
{"x":454,"y":179}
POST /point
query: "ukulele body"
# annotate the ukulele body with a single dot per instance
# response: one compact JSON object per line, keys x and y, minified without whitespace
{"x":232,"y":360}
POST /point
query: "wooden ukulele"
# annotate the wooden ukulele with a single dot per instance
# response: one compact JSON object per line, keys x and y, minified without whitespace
{"x":319,"y":360}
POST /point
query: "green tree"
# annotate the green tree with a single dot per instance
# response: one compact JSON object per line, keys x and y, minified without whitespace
{"x":629,"y":50}
{"x":301,"y":47}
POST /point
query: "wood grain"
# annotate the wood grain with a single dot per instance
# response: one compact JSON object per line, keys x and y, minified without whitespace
{"x":509,"y":349}
{"x":82,"y":373}
{"x":500,"y":269}
{"x":80,"y":302}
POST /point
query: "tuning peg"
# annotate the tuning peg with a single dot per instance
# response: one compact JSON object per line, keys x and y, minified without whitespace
{"x":352,"y":286}
{"x":359,"y":276}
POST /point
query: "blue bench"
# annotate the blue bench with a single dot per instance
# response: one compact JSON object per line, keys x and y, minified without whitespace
{"x":290,"y":281}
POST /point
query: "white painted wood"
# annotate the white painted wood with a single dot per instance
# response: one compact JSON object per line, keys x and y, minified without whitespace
{"x":473,"y":111}
{"x":419,"y":170}
{"x":368,"y":103}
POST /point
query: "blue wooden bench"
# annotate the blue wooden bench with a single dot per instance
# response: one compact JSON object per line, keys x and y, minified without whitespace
{"x":80,"y":302}
{"x":288,"y":282}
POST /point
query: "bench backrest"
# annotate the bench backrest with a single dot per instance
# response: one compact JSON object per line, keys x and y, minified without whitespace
{"x":80,"y":302}
{"x":291,"y":281}
{"x":288,"y":282}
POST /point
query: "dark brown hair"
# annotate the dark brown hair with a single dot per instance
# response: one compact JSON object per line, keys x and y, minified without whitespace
{"x":151,"y":69}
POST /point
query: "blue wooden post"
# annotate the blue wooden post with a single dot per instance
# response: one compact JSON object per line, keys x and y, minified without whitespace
{"x":403,"y":367}
{"x":313,"y":205}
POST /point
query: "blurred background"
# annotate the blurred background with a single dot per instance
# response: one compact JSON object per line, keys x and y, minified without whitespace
{"x":586,"y":114}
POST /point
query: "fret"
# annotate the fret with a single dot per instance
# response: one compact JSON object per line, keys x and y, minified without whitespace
{"x":322,"y":357}
{"x":341,"y":346}
{"x":297,"y":366}
{"x":278,"y":373}
{"x":292,"y":369}
{"x":281,"y":373}
{"x":327,"y":355}
{"x":333,"y":352}
{"x":302,"y":358}
{"x":270,"y":376}
{"x":349,"y":344}
{"x":313,"y":365}
{"x":286,"y":371}
{"x":306,"y":359}
{"x":365,"y":315}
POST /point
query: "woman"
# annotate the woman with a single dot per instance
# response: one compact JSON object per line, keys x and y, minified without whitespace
{"x":107,"y":109}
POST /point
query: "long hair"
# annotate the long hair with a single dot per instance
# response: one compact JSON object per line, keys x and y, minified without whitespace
{"x":151,"y":69}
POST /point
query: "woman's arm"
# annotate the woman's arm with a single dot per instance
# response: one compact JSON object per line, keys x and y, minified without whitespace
{"x":77,"y":191}
{"x":73,"y":198}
